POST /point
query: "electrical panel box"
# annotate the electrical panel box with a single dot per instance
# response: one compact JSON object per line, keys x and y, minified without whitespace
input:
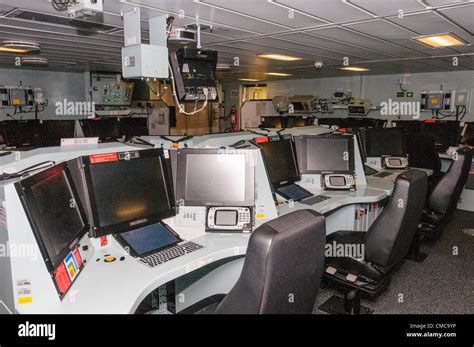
{"x":461,"y":98}
{"x":113,"y":94}
{"x":20,"y":96}
{"x":435,"y":101}
{"x":358,"y":108}
{"x":4,"y":97}
{"x":147,"y":61}
{"x":194,"y":69}
{"x":85,"y":8}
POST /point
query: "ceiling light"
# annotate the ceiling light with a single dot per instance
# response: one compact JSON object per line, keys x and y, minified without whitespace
{"x":440,"y":40}
{"x":220,"y":66}
{"x":278,"y":74}
{"x":248,"y":79}
{"x":279,"y":57}
{"x":19,"y":47}
{"x":36,"y":61}
{"x":353,"y":68}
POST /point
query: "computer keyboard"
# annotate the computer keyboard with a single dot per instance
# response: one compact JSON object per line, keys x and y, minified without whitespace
{"x":168,"y":254}
{"x":383,"y":174}
{"x":315,"y":199}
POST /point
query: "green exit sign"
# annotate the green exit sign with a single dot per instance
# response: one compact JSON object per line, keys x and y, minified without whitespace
{"x":404,"y":94}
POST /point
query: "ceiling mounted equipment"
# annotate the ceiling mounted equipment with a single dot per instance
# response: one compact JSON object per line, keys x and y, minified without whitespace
{"x":182,"y":36}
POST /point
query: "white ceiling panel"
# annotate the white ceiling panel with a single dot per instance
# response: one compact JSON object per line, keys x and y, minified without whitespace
{"x":331,"y":10}
{"x":388,"y":7}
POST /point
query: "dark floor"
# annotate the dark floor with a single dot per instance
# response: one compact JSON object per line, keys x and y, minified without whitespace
{"x":443,"y":283}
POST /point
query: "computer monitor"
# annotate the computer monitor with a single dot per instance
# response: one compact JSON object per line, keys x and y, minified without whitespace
{"x":21,"y":134}
{"x":445,"y":134}
{"x":386,"y":142}
{"x":325,"y":154}
{"x":131,"y":127}
{"x":280,"y":161}
{"x":54,"y":211}
{"x":215,"y":177}
{"x":126,"y":190}
{"x":106,"y":129}
{"x":468,"y":137}
{"x":55,"y":130}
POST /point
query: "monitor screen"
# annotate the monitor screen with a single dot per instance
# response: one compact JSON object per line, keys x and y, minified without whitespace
{"x":337,"y":181}
{"x":325,"y":154}
{"x":280,"y":162}
{"x":106,"y":129}
{"x":468,"y":138}
{"x":54,"y":211}
{"x":444,"y":133}
{"x":226,"y":218}
{"x":124,"y":193}
{"x":149,"y":239}
{"x":212,"y":177}
{"x":386,"y":141}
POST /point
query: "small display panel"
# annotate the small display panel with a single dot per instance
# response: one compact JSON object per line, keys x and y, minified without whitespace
{"x":226,"y":218}
{"x":386,"y":141}
{"x":280,"y":162}
{"x":337,"y":181}
{"x":149,"y":239}
{"x":395,"y":162}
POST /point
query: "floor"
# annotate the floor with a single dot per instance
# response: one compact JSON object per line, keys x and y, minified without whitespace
{"x":443,"y":283}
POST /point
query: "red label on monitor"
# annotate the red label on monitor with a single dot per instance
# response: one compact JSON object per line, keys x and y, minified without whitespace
{"x":261,"y":139}
{"x":77,"y":257}
{"x":103,"y":241}
{"x":430,"y":121}
{"x":103,"y":158}
{"x":62,"y":279}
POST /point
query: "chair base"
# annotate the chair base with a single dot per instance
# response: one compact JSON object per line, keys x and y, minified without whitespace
{"x":418,"y":258}
{"x":337,"y":305}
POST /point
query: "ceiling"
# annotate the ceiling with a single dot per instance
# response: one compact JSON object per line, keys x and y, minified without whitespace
{"x":369,"y":32}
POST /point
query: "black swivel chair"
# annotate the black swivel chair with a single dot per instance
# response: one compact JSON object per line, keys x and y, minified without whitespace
{"x":443,"y":199}
{"x":281,"y":272}
{"x":385,"y":246}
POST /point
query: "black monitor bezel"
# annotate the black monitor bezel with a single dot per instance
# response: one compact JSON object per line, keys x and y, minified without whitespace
{"x":145,"y":220}
{"x":24,"y":189}
{"x":181,"y":178}
{"x":389,"y":131}
{"x":301,"y":143}
{"x":290,"y":180}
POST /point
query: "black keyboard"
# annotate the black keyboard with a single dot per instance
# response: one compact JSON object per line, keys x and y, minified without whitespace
{"x":383,"y":174}
{"x":315,"y":199}
{"x":170,"y":253}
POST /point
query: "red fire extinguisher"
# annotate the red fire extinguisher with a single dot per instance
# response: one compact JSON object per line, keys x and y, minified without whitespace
{"x":233,"y":118}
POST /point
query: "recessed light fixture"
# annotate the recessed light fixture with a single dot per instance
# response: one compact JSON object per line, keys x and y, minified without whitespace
{"x":34,"y":61}
{"x":281,"y":74}
{"x":248,"y":79}
{"x":440,"y":40}
{"x":220,"y":66}
{"x":353,"y":68}
{"x":279,"y":57}
{"x":19,"y":47}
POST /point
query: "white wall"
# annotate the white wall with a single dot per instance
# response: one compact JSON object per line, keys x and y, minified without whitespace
{"x":376,"y":88}
{"x":57,"y":86}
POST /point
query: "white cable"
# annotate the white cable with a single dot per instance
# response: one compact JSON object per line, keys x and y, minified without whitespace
{"x":176,"y":101}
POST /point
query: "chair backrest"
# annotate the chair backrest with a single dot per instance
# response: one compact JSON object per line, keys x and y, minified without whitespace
{"x":422,"y":153}
{"x":445,"y":195}
{"x":282,"y":269}
{"x":388,"y":239}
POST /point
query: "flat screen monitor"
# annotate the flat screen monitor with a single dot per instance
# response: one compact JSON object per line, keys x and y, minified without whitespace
{"x":214,"y":177}
{"x":127,"y":190}
{"x":280,"y":162}
{"x":386,"y":142}
{"x":324,"y":154}
{"x":131,"y":127}
{"x":468,"y":137}
{"x":445,"y":134}
{"x":54,"y":212}
{"x":106,"y":129}
{"x":55,"y":130}
{"x":21,"y":134}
